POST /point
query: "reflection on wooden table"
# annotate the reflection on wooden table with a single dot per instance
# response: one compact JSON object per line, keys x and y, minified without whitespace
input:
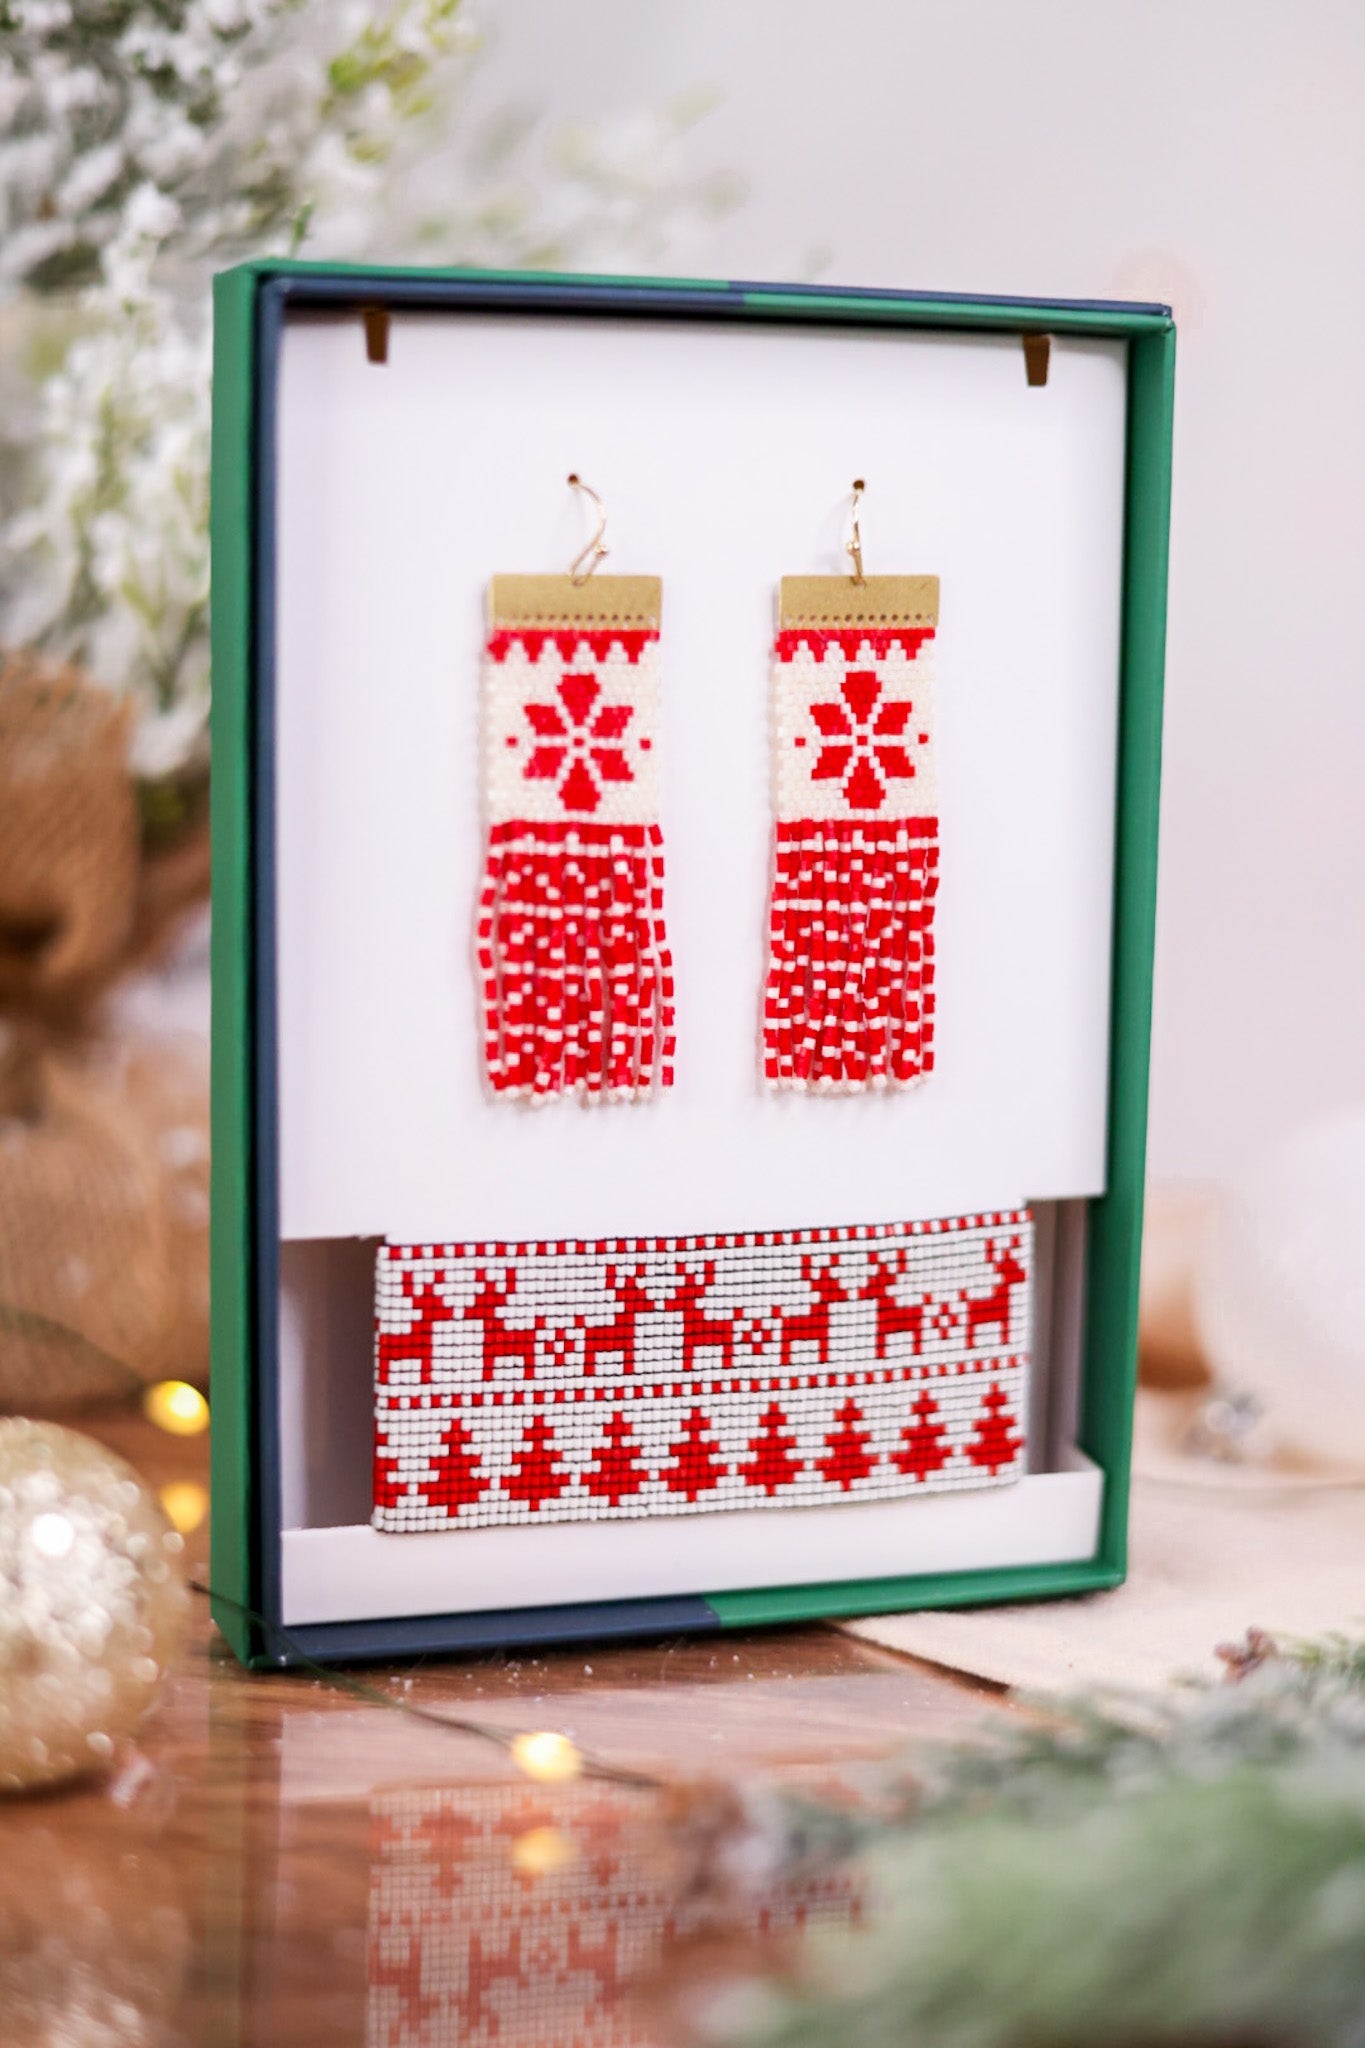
{"x":501,"y":1915}
{"x":282,"y":1865}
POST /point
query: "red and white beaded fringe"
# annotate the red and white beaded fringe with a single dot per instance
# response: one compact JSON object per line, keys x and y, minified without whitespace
{"x":849,"y":1003}
{"x":573,"y":1381}
{"x":573,"y":958}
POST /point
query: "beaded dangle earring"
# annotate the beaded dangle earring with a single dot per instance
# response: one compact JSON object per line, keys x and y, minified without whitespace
{"x":848,"y":1003}
{"x":573,"y":959}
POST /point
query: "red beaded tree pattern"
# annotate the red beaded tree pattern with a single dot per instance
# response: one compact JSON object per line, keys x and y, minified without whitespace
{"x":574,"y":967}
{"x":848,"y":1002}
{"x":571,"y":1381}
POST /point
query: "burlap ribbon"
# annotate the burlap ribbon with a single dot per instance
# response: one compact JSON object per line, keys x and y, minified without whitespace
{"x":103,"y":1136}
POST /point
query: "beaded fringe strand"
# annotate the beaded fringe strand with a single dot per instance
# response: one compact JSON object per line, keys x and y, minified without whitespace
{"x":574,"y":971}
{"x":577,"y":979}
{"x":848,"y":1003}
{"x":848,"y":1000}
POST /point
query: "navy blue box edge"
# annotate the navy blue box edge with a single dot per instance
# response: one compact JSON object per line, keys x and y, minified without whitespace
{"x":528,"y":1626}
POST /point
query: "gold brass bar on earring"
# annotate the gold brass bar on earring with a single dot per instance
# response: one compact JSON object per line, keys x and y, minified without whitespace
{"x":838,"y":601}
{"x":558,"y":600}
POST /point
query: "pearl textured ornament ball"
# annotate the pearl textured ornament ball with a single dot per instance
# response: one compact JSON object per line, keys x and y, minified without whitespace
{"x":92,"y":1603}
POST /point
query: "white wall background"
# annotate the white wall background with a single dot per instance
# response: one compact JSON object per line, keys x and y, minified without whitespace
{"x":1206,"y":152}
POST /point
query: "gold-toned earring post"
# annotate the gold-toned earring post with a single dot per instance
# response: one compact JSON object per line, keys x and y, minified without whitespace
{"x":594,"y":552}
{"x":853,"y":546}
{"x":580,"y":594}
{"x":858,"y":599}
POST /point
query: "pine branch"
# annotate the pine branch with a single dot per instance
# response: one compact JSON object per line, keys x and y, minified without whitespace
{"x":1153,"y":1869}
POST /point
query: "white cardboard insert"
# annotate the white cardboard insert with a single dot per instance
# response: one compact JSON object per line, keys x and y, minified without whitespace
{"x":349,"y":1574}
{"x":724,"y":455}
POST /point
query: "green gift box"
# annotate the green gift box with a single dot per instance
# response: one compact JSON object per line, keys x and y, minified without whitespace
{"x":384,"y":443}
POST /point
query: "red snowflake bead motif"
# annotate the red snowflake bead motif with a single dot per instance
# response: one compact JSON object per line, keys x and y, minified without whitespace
{"x":853,"y":726}
{"x":863,"y":750}
{"x":577,"y":732}
{"x":572,"y":730}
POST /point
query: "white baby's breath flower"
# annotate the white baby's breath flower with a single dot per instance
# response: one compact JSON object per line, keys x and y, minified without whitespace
{"x":88,"y":180}
{"x":145,"y":146}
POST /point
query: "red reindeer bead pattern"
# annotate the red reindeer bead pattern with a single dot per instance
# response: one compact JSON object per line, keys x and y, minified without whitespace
{"x":571,"y":1381}
{"x":574,"y":967}
{"x":467,"y":1948}
{"x":849,"y":1003}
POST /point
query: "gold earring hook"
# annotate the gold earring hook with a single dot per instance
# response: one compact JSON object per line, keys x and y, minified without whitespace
{"x":853,"y":546}
{"x":594,"y":552}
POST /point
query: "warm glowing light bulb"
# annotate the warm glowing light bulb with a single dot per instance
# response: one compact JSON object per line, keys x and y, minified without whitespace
{"x":51,"y":1534}
{"x":542,"y":1850}
{"x":177,"y":1407}
{"x":550,"y":1758}
{"x":184,"y":1503}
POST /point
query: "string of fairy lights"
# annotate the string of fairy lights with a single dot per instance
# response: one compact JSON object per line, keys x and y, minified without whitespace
{"x":544,"y":1755}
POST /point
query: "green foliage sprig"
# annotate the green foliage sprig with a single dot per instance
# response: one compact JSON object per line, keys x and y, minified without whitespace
{"x":1182,"y":1869}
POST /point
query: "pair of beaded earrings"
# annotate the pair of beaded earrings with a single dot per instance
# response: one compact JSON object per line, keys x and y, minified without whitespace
{"x":577,"y":981}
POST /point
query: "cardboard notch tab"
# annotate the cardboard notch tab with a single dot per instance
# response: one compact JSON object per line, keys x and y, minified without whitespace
{"x":376,"y":319}
{"x":1037,"y":355}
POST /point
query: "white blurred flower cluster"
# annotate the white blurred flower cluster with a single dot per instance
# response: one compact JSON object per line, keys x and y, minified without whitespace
{"x":145,"y":144}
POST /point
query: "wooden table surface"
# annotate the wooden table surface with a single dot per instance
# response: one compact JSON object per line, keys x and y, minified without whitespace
{"x":280,"y":1863}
